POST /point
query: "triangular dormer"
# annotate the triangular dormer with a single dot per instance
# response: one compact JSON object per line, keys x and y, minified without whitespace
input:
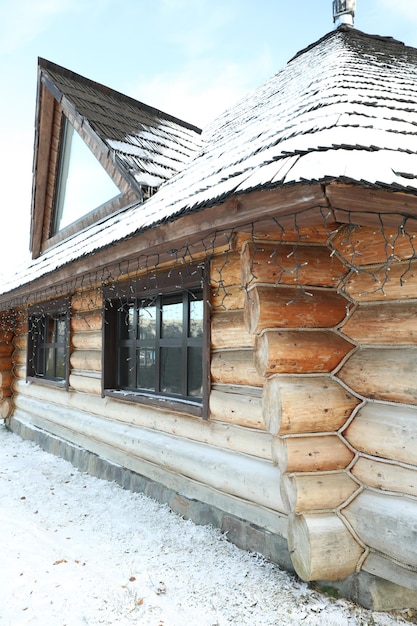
{"x":96,"y":152}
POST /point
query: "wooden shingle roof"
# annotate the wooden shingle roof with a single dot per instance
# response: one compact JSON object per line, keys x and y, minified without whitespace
{"x":148,"y":145}
{"x":344,"y":109}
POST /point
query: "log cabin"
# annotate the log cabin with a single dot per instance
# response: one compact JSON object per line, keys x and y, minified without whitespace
{"x":226,"y":320}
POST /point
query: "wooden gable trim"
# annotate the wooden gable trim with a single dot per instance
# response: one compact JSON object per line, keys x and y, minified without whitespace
{"x":43,"y":147}
{"x":52,"y":110}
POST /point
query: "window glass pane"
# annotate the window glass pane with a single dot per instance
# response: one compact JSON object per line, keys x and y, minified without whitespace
{"x":196,"y":317}
{"x":171,"y":370}
{"x":127,"y":368}
{"x":84,"y":184}
{"x":146,"y":365}
{"x":147,"y":321}
{"x":60,"y":329}
{"x":41,"y":359}
{"x":60,"y":363}
{"x":127,"y":321}
{"x":48,"y":346}
{"x":50,"y":330}
{"x":171,"y":319}
{"x":195,"y":371}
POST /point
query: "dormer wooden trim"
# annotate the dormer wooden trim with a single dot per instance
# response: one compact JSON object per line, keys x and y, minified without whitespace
{"x":46,"y":172}
{"x":44,"y":146}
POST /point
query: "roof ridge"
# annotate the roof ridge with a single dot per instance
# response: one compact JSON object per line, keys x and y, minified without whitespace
{"x":344,"y":28}
{"x":50,"y":66}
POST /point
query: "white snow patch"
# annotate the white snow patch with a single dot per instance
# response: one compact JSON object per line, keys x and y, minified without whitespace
{"x":77,"y":550}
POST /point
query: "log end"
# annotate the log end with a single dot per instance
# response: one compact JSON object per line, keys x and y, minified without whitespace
{"x":321,"y":547}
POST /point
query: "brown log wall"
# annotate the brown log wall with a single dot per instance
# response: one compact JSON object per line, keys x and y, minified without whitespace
{"x":382,"y":373}
{"x":311,"y":368}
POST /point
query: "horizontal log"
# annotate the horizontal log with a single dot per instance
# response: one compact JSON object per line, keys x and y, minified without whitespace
{"x":18,"y":370}
{"x":228,"y":330}
{"x":86,"y":321}
{"x":225,"y":269}
{"x":321,"y":547}
{"x":6,"y":335}
{"x":385,"y":431}
{"x":228,"y":436}
{"x":304,"y":492}
{"x":288,"y":307}
{"x":383,"y":374}
{"x":303,"y":404}
{"x":389,"y":323}
{"x":399,"y":282}
{"x":227,"y":298}
{"x":91,"y":340}
{"x":385,"y":568}
{"x":386,"y":523}
{"x":299,"y":352}
{"x":369,"y":220}
{"x":386,"y":476}
{"x":86,"y":360}
{"x":20,"y":341}
{"x":290,"y":264}
{"x":5,"y":393}
{"x":363,"y":245}
{"x":314,"y":453}
{"x":89,"y":300}
{"x":6,"y":363}
{"x":6,"y":349}
{"x":235,"y":367}
{"x":243,"y":408}
{"x":6,"y":378}
{"x":6,"y":408}
{"x":310,"y":226}
{"x":209,"y":465}
{"x":85,"y":384}
{"x":19,"y":357}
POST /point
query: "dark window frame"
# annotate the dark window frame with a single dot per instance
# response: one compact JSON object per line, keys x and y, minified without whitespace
{"x":166,"y":284}
{"x":38,"y":345}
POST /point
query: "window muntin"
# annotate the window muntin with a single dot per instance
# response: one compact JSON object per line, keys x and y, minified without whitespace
{"x":47,"y":357}
{"x":159,"y":345}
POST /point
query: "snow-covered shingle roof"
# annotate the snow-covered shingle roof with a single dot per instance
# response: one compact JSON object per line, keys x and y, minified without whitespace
{"x":344,"y":109}
{"x":149,"y":144}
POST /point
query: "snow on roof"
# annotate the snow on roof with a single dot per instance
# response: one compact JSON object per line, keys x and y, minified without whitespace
{"x":149,"y":144}
{"x":343,"y":108}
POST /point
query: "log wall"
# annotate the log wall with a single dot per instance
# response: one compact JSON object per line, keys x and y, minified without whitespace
{"x":170,"y":447}
{"x":7,"y":350}
{"x":294,"y":310}
{"x":312,"y":411}
{"x":382,"y":374}
{"x":333,"y":349}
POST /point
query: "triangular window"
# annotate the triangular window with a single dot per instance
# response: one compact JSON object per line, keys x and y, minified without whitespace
{"x":83,"y":184}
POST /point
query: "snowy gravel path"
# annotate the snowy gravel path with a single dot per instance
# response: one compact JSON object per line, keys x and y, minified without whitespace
{"x":77,"y":550}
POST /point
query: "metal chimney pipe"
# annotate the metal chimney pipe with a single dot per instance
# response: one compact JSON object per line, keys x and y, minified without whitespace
{"x":343,"y":12}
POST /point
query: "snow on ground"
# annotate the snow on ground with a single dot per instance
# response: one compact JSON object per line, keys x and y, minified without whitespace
{"x":77,"y":550}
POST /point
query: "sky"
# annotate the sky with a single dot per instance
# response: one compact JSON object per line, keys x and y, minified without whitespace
{"x":190,"y":58}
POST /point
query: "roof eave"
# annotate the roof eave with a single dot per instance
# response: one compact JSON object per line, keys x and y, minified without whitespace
{"x":334,"y":201}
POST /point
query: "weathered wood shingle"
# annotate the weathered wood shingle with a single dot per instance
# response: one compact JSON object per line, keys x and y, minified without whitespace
{"x":343,"y":109}
{"x":150,"y":145}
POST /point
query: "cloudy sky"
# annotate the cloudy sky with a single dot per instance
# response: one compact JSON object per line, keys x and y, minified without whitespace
{"x":191,"y":58}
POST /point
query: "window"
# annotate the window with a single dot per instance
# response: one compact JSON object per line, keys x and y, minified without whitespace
{"x":155,"y":345}
{"x":83,"y":184}
{"x":48,"y":352}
